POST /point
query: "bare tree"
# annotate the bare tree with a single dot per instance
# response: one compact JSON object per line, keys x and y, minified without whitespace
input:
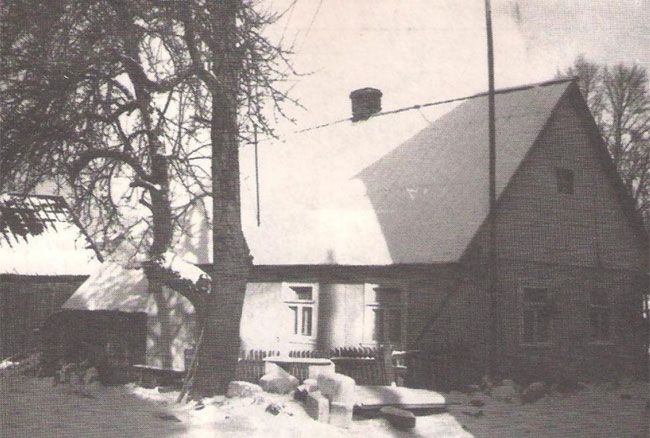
{"x":619,"y":99}
{"x":147,"y":92}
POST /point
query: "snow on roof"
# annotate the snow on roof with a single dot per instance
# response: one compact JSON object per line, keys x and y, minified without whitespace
{"x":112,"y":287}
{"x":124,"y":288}
{"x":178,"y":267}
{"x":39,"y":236}
{"x":405,"y":186}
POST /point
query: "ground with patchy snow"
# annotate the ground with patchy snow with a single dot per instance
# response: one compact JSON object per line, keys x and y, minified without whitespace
{"x":33,"y":407}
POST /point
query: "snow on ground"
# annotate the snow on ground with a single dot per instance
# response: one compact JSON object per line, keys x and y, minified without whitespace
{"x":32,"y":407}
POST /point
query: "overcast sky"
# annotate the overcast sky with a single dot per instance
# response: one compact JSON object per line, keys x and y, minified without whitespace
{"x":419,"y":51}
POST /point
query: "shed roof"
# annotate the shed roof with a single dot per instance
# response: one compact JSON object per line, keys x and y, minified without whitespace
{"x":39,"y":236}
{"x":113,"y":286}
{"x":404,"y":187}
{"x":124,"y":287}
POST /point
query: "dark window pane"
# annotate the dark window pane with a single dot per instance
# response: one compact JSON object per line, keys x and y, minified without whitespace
{"x":294,"y":310}
{"x":564,"y":181}
{"x":306,"y":321}
{"x":394,"y":326}
{"x":388,"y":295}
{"x":529,"y":317}
{"x":302,"y":292}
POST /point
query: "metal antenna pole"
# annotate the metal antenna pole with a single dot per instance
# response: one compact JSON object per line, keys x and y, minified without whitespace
{"x":492,"y":253}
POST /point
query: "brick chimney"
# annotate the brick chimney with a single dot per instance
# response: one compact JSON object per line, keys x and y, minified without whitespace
{"x":365,"y":103}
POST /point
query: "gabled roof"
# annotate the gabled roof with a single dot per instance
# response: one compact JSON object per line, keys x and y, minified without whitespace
{"x":404,"y":187}
{"x":39,"y":236}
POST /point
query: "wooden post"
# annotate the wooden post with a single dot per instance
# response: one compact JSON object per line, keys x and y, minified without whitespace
{"x":386,"y":356}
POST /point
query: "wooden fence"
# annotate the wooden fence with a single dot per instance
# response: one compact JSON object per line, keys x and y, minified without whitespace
{"x":251,"y":364}
{"x":367,"y":366}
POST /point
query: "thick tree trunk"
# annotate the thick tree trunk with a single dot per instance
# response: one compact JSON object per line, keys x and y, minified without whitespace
{"x":222,"y":310}
{"x":221,"y":316}
{"x":162,"y":229}
{"x":220,"y":319}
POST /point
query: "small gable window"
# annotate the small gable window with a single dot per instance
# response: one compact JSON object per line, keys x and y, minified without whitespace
{"x":599,"y":316}
{"x":536,"y":316}
{"x":564,"y":179}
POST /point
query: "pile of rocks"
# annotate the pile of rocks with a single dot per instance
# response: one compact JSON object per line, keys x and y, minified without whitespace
{"x":78,"y":374}
{"x":328,"y":398}
{"x":510,"y":392}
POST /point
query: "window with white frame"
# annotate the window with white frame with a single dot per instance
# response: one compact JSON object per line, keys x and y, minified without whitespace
{"x":536,"y":315}
{"x":302,"y":302}
{"x":384,"y":315}
{"x":599,"y":316}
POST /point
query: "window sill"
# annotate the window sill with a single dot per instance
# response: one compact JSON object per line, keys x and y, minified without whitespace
{"x":303,"y":341}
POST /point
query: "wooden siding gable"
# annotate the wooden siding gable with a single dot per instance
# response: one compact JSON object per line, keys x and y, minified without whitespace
{"x":595,"y":225}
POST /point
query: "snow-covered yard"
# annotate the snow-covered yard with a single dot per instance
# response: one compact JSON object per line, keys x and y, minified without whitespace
{"x":33,"y":407}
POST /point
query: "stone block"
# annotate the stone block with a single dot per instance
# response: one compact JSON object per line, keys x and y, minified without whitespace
{"x":279,"y":383}
{"x":477,"y":402}
{"x":504,"y":393}
{"x":341,"y":414}
{"x":300,"y":393}
{"x":242,"y":389}
{"x":534,"y":392}
{"x":310,"y":385}
{"x":91,"y":376}
{"x":338,"y":388}
{"x":317,"y":406}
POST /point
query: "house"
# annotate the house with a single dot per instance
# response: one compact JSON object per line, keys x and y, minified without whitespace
{"x":44,"y":256}
{"x":373,"y":232}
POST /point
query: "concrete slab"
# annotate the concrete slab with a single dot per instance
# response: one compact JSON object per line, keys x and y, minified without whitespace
{"x":376,"y":397}
{"x":399,"y":418}
{"x":315,"y":366}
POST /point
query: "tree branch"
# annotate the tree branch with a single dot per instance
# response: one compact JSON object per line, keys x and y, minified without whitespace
{"x":87,"y":156}
{"x":197,"y":64}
